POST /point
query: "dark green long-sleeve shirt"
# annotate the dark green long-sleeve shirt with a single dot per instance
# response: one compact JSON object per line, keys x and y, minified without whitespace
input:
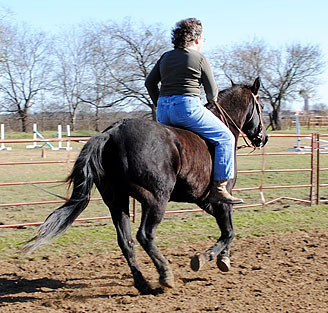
{"x":181,"y":72}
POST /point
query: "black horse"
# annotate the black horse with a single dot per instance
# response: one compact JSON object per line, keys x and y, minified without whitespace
{"x":156,"y":164}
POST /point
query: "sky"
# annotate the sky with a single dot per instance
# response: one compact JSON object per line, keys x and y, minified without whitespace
{"x":276,"y":22}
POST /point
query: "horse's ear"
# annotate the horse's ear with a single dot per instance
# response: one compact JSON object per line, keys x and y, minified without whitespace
{"x":231,"y":81}
{"x":256,"y":86}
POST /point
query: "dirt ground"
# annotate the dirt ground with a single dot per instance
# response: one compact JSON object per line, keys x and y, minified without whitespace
{"x":285,"y":272}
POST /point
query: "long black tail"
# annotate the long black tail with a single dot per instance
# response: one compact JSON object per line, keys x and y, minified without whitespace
{"x":87,"y":171}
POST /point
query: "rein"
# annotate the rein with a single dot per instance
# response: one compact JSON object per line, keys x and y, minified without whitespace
{"x":259,"y":110}
{"x":226,"y":116}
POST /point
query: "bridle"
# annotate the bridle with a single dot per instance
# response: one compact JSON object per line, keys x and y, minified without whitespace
{"x":259,"y":110}
{"x":227,"y":118}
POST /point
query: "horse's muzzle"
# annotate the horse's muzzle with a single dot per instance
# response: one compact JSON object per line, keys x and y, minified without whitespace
{"x":260,"y":139}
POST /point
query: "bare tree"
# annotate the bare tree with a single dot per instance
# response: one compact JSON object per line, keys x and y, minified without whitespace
{"x":97,"y":86}
{"x":70,"y":71}
{"x":24,"y":70}
{"x":137,"y":48}
{"x":284,"y":71}
{"x":120,"y":57}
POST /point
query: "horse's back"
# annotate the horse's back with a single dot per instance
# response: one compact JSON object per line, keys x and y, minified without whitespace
{"x":162,"y":160}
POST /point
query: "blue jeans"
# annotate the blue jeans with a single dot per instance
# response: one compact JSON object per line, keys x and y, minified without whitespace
{"x":189,"y":113}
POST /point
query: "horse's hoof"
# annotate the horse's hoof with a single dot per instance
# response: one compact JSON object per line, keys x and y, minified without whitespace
{"x":198,"y":261}
{"x":167,"y":279}
{"x":146,"y":291}
{"x":223,"y":263}
{"x":144,"y":288}
{"x":169,"y":283}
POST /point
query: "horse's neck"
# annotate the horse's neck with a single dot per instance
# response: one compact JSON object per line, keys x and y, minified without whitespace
{"x":236,"y":107}
{"x":231,"y":119}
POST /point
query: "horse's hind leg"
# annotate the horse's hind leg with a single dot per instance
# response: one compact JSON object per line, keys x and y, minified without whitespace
{"x":152,"y":215}
{"x":119,"y":209}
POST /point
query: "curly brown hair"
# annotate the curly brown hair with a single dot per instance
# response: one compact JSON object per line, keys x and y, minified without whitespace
{"x":185,"y":32}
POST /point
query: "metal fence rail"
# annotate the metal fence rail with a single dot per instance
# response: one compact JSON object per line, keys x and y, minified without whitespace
{"x":314,"y":184}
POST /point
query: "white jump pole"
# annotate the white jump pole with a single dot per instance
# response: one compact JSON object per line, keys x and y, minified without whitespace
{"x":60,"y":137}
{"x":68,"y":134}
{"x":2,"y":137}
{"x":35,"y":137}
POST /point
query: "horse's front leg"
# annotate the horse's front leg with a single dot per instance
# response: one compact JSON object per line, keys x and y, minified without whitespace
{"x":220,"y":250}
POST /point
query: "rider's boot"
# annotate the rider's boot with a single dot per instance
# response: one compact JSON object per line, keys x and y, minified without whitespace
{"x":219,"y":193}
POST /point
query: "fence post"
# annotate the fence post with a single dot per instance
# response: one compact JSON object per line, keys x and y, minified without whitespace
{"x":313,"y":144}
{"x":68,"y":163}
{"x":318,"y":169}
{"x":134,"y":210}
{"x":262,"y":178}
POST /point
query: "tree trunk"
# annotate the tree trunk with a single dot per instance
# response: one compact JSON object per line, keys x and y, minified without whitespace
{"x":73,"y":121}
{"x":23,"y":119}
{"x":276,"y":122}
{"x":97,"y":119}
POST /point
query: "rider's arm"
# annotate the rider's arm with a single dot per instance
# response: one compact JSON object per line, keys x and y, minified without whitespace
{"x":152,"y":82}
{"x":208,"y":81}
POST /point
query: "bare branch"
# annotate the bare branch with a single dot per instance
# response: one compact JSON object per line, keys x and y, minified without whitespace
{"x":23,"y":70}
{"x":283,"y":71}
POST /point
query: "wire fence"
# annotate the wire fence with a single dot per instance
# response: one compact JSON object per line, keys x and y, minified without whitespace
{"x":317,"y":149}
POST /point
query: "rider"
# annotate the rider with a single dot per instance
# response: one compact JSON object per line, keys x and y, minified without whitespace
{"x":182,"y":72}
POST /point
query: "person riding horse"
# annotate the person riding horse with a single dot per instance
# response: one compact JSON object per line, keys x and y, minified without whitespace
{"x":156,"y":163}
{"x":182,"y":72}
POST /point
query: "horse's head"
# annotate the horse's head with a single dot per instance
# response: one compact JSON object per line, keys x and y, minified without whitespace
{"x":240,"y":108}
{"x":253,"y":125}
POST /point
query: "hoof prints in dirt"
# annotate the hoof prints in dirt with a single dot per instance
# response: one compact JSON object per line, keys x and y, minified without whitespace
{"x":275,"y":273}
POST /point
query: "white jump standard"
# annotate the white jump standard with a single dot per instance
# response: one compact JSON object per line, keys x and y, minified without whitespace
{"x":2,"y":137}
{"x":37,"y":134}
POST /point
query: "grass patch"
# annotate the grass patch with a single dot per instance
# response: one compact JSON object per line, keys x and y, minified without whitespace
{"x":187,"y":229}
